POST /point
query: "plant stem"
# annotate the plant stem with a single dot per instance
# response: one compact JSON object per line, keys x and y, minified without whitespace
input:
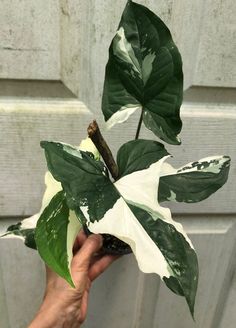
{"x":139,"y":125}
{"x":98,"y":140}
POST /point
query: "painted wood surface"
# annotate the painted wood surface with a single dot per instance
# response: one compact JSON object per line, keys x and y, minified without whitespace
{"x":30,"y":39}
{"x":24,"y":123}
{"x":74,"y":36}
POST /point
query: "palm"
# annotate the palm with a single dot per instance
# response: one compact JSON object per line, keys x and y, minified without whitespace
{"x":87,"y":265}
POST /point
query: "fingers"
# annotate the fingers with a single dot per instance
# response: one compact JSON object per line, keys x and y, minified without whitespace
{"x":84,"y":303}
{"x":101,"y":265}
{"x":80,"y":239}
{"x":82,"y":258}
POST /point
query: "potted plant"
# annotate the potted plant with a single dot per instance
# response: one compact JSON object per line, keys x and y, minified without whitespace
{"x":121,"y":199}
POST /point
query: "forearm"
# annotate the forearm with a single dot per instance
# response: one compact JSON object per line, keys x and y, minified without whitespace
{"x":52,"y":316}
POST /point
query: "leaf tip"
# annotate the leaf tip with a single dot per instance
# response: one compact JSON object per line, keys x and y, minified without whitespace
{"x":227,"y":159}
{"x":191,"y":308}
{"x":70,"y":281}
{"x":43,"y":144}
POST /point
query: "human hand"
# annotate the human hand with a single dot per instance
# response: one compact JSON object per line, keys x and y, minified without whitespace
{"x":64,"y":306}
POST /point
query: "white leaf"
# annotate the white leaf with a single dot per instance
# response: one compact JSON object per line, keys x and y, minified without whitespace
{"x":121,"y":223}
{"x":122,"y":115}
{"x":139,"y":189}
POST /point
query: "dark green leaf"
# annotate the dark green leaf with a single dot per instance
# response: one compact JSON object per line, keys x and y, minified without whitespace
{"x":82,"y":177}
{"x":173,"y":284}
{"x":138,"y":155}
{"x":144,"y":71}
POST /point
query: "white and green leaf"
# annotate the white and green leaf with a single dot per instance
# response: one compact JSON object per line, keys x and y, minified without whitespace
{"x":144,"y":72}
{"x":133,"y":215}
{"x":160,"y":245}
{"x":83,"y":179}
{"x":25,"y":229}
{"x":88,"y":146}
{"x":55,"y":235}
{"x":194,"y":181}
{"x":61,"y":257}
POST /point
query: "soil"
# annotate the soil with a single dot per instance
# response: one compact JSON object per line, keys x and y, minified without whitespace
{"x":111,"y":244}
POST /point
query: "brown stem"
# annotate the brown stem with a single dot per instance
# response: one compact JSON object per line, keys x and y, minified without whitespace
{"x":98,"y":140}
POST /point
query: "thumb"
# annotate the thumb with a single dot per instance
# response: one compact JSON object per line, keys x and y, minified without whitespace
{"x":83,"y":257}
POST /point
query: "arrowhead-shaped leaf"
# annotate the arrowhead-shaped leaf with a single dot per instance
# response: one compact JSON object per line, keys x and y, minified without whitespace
{"x":82,"y":177}
{"x":55,"y":235}
{"x":159,"y":244}
{"x":144,"y":72}
{"x":137,"y":155}
{"x":133,"y":215}
{"x":195,"y":181}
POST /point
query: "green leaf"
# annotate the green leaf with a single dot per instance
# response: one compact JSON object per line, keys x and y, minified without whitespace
{"x":138,"y":155}
{"x":82,"y":177}
{"x":160,"y":245}
{"x":55,"y":234}
{"x":195,"y":181}
{"x":144,"y":72}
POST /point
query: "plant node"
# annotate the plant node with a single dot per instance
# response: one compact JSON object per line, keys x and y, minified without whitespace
{"x":95,"y":134}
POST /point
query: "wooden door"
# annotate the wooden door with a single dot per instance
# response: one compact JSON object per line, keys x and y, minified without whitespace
{"x":52,"y":59}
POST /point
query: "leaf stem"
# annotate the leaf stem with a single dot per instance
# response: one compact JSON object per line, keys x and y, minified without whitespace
{"x":139,"y":125}
{"x":98,"y":140}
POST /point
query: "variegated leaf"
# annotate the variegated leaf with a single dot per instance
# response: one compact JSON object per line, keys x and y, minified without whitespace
{"x":25,"y":229}
{"x":82,"y":177}
{"x":144,"y":72}
{"x":195,"y":181}
{"x":159,"y":244}
{"x":55,"y":235}
{"x":133,"y":215}
{"x":88,"y":146}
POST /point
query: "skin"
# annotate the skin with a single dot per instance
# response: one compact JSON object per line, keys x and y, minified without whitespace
{"x":63,"y":306}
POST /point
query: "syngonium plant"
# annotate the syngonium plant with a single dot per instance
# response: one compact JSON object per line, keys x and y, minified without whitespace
{"x":87,"y":188}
